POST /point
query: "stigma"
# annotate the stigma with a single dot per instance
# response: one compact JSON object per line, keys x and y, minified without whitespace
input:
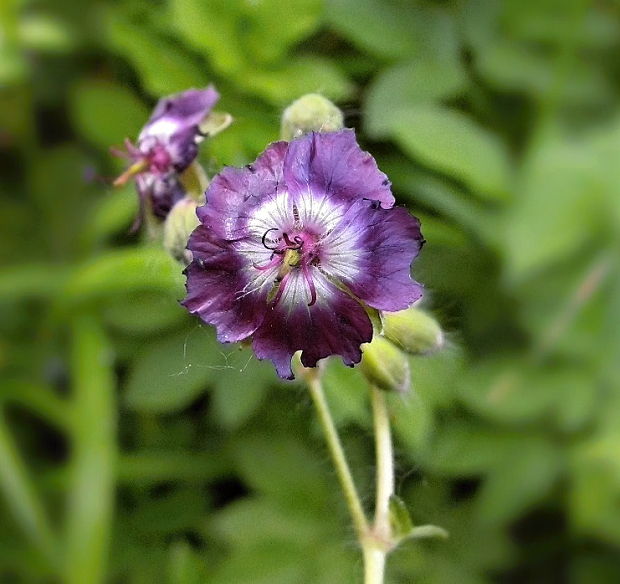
{"x":288,"y":255}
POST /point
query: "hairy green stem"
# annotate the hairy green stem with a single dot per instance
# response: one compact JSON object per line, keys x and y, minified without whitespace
{"x":374,"y":563}
{"x":375,"y":540}
{"x":377,"y":547}
{"x":385,"y":463}
{"x":337,"y":453}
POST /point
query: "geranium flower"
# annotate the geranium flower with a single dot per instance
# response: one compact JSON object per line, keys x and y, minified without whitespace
{"x":291,"y":250}
{"x":166,"y":146}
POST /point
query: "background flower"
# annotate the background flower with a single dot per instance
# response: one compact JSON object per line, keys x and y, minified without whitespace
{"x":166,"y":146}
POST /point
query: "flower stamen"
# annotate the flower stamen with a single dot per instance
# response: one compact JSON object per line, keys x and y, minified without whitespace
{"x":136,"y":168}
{"x":310,"y":282}
{"x":274,"y":261}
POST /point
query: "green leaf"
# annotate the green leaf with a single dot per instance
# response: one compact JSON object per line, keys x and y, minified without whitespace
{"x":593,"y":493}
{"x":22,"y":497}
{"x":182,"y":510}
{"x":61,"y":194}
{"x":169,"y":374}
{"x":346,"y":392}
{"x":234,"y":399}
{"x":112,"y":216}
{"x":296,"y":77}
{"x":468,"y":449}
{"x":558,"y":210}
{"x":92,"y":470}
{"x":143,"y":313}
{"x":123,"y":271}
{"x":420,"y":81}
{"x":31,"y":281}
{"x":508,"y":392}
{"x":211,"y":28}
{"x":451,"y":142}
{"x":268,"y":562}
{"x":251,"y":521}
{"x":105,"y":113}
{"x":14,"y":67}
{"x":45,"y":33}
{"x":465,"y":212}
{"x":185,"y":566}
{"x":272,"y":26}
{"x":520,"y":479}
{"x":381,"y":28}
{"x":156,"y":465}
{"x":40,"y":399}
{"x":282,"y":468}
{"x":163,"y":67}
{"x":252,"y":128}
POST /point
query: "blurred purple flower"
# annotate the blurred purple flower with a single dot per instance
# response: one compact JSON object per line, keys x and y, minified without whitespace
{"x":292,"y":248}
{"x":166,"y":146}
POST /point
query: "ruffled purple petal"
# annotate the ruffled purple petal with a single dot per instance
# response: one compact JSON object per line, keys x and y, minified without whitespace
{"x":217,"y":287}
{"x":335,"y":325}
{"x":333,"y":164}
{"x":183,"y":110}
{"x":234,"y":193}
{"x":175,"y":123}
{"x":371,"y":252}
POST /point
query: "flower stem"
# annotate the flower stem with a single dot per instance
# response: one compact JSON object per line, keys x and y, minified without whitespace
{"x":385,"y":463}
{"x":340,"y":462}
{"x":374,"y":564}
{"x":377,"y":547}
{"x":375,"y":540}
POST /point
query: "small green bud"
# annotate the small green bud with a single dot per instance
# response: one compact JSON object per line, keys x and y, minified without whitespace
{"x":180,"y":223}
{"x":195,"y":182}
{"x":310,"y":113}
{"x":413,"y":330}
{"x":384,"y":365}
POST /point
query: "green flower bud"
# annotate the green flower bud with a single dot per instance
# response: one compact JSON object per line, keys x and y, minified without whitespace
{"x":310,"y":113}
{"x":180,"y":223}
{"x":384,"y":365}
{"x":413,"y":330}
{"x":195,"y":182}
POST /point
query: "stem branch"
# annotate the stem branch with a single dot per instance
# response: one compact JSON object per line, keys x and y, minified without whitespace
{"x":375,"y":540}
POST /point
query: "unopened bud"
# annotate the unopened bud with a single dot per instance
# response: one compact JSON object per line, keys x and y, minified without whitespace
{"x":413,"y":330}
{"x":310,"y":113}
{"x":180,"y":223}
{"x":384,"y":365}
{"x":195,"y":182}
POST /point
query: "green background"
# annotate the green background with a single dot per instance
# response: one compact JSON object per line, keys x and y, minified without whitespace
{"x":134,"y":448}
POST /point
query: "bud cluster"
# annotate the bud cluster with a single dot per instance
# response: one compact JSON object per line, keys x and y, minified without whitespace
{"x":411,"y":331}
{"x":163,"y":162}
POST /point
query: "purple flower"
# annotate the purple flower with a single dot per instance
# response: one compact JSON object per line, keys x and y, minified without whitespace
{"x":166,"y":146}
{"x":292,"y":248}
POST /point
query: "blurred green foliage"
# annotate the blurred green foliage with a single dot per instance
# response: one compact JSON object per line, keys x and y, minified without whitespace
{"x":134,"y":448}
